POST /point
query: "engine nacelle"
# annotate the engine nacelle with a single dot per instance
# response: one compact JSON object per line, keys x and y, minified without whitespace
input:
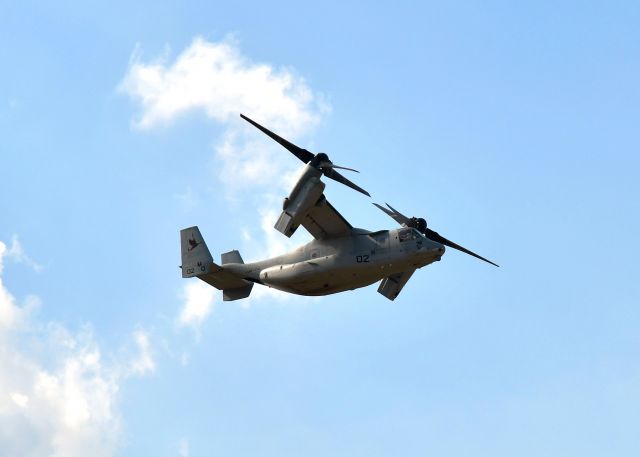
{"x":298,"y":204}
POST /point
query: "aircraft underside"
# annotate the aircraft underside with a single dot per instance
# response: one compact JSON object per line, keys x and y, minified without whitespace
{"x":339,"y":280}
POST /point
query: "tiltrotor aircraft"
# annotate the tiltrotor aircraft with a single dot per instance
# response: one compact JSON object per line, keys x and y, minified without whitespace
{"x":339,"y":258}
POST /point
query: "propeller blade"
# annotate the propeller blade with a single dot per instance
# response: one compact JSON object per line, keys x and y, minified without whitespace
{"x":435,"y":236}
{"x":331,"y":173}
{"x":330,"y":164}
{"x":342,"y":168}
{"x":399,"y":218}
{"x":321,"y":160}
{"x":397,"y":212}
{"x":297,"y":151}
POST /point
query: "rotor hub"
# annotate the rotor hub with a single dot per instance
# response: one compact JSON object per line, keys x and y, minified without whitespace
{"x":320,"y":159}
{"x":418,"y":223}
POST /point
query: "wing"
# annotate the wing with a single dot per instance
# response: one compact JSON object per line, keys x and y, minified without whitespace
{"x":392,"y":285}
{"x":324,"y":221}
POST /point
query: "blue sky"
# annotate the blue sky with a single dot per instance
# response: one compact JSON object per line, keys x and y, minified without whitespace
{"x":511,"y":128}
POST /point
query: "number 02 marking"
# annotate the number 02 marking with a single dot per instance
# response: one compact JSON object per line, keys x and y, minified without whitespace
{"x":362,"y":258}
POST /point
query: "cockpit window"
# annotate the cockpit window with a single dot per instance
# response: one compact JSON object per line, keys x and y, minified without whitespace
{"x":406,"y":234}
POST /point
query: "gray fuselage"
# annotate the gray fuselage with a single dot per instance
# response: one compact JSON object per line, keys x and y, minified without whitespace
{"x":327,"y":266}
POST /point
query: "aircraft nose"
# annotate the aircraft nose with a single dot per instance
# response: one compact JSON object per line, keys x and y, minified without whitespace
{"x":432,"y":249}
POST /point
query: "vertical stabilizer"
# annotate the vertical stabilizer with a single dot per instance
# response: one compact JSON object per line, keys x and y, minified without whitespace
{"x":229,"y":294}
{"x":231,"y":257}
{"x":196,"y":258}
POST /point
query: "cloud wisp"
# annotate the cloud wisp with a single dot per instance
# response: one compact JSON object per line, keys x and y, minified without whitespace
{"x":198,"y":299}
{"x":216,"y":79}
{"x":58,"y":394}
{"x":16,"y":253}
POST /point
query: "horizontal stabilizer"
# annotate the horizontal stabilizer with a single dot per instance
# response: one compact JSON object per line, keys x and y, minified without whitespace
{"x":223,"y":280}
{"x":237,"y":293}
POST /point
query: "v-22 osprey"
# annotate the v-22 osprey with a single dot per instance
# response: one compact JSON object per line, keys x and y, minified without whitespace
{"x":339,"y":258}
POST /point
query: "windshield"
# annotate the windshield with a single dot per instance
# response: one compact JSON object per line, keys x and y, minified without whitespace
{"x":407,"y":234}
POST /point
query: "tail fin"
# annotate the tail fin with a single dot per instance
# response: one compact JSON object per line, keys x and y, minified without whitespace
{"x":196,"y":258}
{"x":197,"y":261}
{"x":238,"y":292}
{"x":231,"y":257}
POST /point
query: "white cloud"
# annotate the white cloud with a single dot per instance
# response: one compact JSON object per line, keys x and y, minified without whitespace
{"x":198,"y":298}
{"x":19,"y":399}
{"x":12,"y":315}
{"x":143,"y":363}
{"x":216,"y":79}
{"x":58,"y":395}
{"x":16,"y":253}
